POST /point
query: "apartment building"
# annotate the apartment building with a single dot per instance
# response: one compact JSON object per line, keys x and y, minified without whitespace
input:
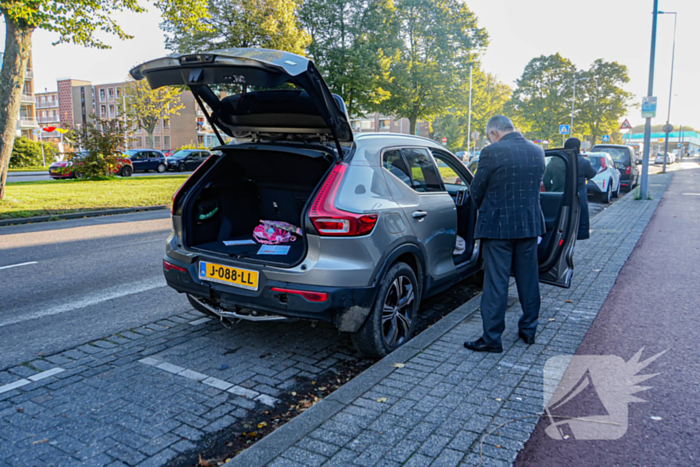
{"x":77,"y":102}
{"x":27,"y":124}
{"x":381,"y":123}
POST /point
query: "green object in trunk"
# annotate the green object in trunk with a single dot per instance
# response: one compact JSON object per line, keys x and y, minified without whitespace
{"x":208,"y":215}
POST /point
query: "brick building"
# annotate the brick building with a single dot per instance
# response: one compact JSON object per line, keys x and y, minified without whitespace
{"x":381,"y":123}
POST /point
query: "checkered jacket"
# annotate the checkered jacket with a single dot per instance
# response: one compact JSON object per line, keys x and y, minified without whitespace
{"x":506,"y":189}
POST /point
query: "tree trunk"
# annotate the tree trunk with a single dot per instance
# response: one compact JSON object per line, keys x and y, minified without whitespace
{"x":151,"y":140}
{"x":412,"y":125}
{"x":18,"y":44}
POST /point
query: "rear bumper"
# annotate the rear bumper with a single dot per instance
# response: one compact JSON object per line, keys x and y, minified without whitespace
{"x":346,"y":307}
{"x":593,"y":187}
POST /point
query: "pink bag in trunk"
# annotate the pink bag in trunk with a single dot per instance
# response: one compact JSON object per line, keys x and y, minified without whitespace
{"x":274,"y":233}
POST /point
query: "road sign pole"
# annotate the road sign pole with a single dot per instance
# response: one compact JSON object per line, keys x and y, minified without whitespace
{"x":647,"y":125}
{"x":469,"y":118}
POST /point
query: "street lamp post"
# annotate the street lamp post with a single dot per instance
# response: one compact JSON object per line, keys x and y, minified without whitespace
{"x":573,"y":103}
{"x":650,"y":92}
{"x":670,"y":91}
{"x":469,"y":118}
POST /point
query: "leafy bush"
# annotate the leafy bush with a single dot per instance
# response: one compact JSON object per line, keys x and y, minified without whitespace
{"x":101,"y":144}
{"x":192,"y":146}
{"x":27,"y":153}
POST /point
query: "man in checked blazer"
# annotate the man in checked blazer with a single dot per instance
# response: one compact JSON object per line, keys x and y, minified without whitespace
{"x":506,"y":190}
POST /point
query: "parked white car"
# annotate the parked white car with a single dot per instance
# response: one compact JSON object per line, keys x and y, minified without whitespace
{"x":606,"y":183}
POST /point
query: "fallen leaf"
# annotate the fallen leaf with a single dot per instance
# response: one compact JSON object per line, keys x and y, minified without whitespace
{"x":204,"y":463}
{"x":41,"y":441}
{"x":499,"y":399}
{"x":566,"y":436}
{"x":322,"y":388}
{"x":20,"y":410}
{"x":519,"y":398}
{"x":568,"y":301}
{"x":262,"y":424}
{"x":294,"y":393}
{"x":381,"y":399}
{"x":313,"y":382}
{"x":656,"y":418}
{"x":398,"y":365}
{"x":498,"y":446}
{"x":552,"y":319}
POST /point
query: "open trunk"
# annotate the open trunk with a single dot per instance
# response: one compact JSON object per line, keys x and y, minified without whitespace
{"x":247,"y":186}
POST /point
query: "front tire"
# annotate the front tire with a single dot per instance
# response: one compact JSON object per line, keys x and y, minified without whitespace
{"x":126,"y":171}
{"x":393,"y":317}
{"x":161,"y":168}
{"x":181,"y":168}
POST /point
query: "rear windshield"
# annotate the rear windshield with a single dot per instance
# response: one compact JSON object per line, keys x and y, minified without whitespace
{"x":619,"y":155}
{"x":595,"y":161}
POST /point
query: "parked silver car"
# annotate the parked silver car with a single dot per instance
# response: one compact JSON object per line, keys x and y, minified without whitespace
{"x":302,"y":219}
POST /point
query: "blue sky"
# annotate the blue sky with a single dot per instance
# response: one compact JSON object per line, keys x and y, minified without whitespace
{"x":615,"y":30}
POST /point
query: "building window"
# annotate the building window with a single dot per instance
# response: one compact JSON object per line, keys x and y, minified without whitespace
{"x":157,"y":139}
{"x":139,"y":142}
{"x":367,"y":124}
{"x":200,"y":139}
{"x":166,"y":124}
{"x":166,"y":142}
{"x":384,"y":124}
{"x":110,"y":93}
{"x":102,"y":95}
{"x":103,"y":110}
{"x":355,"y":124}
{"x":112,"y":112}
{"x":119,"y":92}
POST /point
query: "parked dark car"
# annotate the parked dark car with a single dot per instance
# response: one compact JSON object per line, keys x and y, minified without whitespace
{"x":145,"y":160}
{"x":187,"y":159}
{"x":302,"y":219}
{"x":625,"y":160}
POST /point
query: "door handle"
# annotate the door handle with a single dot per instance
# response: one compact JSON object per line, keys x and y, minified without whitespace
{"x":419,"y":214}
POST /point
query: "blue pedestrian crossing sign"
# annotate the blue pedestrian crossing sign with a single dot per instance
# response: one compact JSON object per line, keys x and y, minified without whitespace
{"x":563,"y":129}
{"x":606,"y":138}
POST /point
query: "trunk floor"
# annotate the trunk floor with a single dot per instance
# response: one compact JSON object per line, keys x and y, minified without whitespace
{"x":296,"y":249}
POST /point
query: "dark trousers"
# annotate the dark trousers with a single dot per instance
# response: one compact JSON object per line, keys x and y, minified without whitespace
{"x":500,"y":258}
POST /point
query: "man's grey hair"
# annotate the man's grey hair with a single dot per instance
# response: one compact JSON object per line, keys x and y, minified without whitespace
{"x":500,"y":123}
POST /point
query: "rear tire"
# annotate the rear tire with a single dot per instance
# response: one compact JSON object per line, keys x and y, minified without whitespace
{"x":126,"y":171}
{"x":161,"y":168}
{"x":605,"y":197}
{"x":616,"y":193}
{"x":392,"y":320}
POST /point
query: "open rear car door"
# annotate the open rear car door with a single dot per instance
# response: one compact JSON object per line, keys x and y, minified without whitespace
{"x":561,"y":207}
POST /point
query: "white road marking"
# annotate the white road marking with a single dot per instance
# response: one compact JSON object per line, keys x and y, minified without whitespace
{"x":23,"y":382}
{"x":19,"y":264}
{"x":210,"y":381}
{"x":90,"y":300}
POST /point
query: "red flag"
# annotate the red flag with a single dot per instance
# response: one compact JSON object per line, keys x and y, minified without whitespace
{"x":49,"y":129}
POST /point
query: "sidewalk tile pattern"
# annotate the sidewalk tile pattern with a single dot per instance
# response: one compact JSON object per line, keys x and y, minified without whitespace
{"x":437,"y":409}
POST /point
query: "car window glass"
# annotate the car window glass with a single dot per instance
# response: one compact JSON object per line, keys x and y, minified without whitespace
{"x":448,"y":174}
{"x":554,"y":179}
{"x":423,"y":170}
{"x":393,"y":162}
{"x":621,"y":156}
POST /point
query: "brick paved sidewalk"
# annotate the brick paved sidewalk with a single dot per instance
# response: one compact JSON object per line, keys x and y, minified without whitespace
{"x":432,"y":401}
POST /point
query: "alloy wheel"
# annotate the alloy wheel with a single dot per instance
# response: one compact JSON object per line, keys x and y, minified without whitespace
{"x":396,"y":315}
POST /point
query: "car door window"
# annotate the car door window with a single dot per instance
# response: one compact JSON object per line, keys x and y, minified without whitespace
{"x":554,"y":180}
{"x":423,"y":170}
{"x":394,"y":162}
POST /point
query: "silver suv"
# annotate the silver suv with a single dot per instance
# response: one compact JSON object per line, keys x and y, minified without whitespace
{"x":301,"y":219}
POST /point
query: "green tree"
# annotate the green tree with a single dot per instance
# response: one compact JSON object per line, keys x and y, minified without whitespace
{"x":145,"y":107}
{"x":542,"y":100}
{"x":602,"y":100}
{"x":239,"y":23}
{"x":489,"y":97}
{"x":352,"y":41}
{"x":74,"y":21}
{"x":438,"y":40}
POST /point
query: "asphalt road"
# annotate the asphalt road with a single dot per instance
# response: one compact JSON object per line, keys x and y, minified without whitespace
{"x":69,"y":282}
{"x":13,"y":177}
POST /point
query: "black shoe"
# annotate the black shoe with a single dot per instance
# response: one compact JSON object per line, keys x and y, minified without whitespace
{"x":480,"y":346}
{"x":528,"y":340}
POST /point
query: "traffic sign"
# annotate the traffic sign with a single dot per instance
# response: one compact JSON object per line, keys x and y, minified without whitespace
{"x":668,"y":128}
{"x":648,"y":107}
{"x":444,"y":140}
{"x":475,"y":135}
{"x":626,"y":125}
{"x":563,"y":129}
{"x":606,"y":138}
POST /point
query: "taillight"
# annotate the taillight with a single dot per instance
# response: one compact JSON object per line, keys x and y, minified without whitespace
{"x":316,"y":297}
{"x":168,"y":266}
{"x":191,"y":177}
{"x":603,"y":165}
{"x":330,"y":221}
{"x":603,"y":184}
{"x":628,"y":171}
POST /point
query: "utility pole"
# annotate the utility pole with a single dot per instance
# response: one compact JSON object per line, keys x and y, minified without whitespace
{"x":670,"y":90}
{"x":469,"y":118}
{"x":647,"y":125}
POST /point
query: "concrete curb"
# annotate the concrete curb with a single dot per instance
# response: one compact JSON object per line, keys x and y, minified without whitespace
{"x":274,"y":444}
{"x":27,"y":174}
{"x":80,"y":215}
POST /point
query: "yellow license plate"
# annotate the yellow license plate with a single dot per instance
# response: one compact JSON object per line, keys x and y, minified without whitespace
{"x":227,"y":275}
